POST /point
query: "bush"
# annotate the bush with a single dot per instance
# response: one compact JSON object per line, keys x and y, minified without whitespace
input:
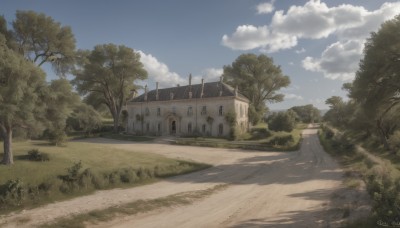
{"x":260,"y":133}
{"x":13,"y":192}
{"x":394,"y":141}
{"x":386,"y":195}
{"x":36,"y":155}
{"x":282,"y":140}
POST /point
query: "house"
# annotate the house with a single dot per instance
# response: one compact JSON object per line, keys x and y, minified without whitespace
{"x":198,"y":109}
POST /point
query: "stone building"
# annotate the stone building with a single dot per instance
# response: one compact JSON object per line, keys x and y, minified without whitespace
{"x":198,"y":109}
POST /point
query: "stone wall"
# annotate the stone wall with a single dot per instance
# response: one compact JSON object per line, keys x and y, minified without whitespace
{"x":186,"y":117}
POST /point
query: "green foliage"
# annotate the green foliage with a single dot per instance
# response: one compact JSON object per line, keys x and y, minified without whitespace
{"x":394,"y":141}
{"x":40,"y":39}
{"x":84,"y":118}
{"x":116,"y":68}
{"x":281,"y":140}
{"x":258,"y":79}
{"x":22,"y":86}
{"x":282,"y":121}
{"x":307,"y":113}
{"x":260,"y":133}
{"x":385,"y":193}
{"x":36,"y":155}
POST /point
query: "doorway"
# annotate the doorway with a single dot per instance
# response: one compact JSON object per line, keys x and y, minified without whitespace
{"x":173,"y":127}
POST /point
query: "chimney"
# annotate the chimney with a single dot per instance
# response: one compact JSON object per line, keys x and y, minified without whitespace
{"x":202,"y":88}
{"x":156,"y":91}
{"x":145,"y":93}
{"x":190,"y":86}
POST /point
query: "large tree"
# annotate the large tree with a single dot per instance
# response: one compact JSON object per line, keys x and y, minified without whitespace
{"x":108,"y":73}
{"x":41,"y":39}
{"x":258,"y":79}
{"x":22,"y":92}
{"x":377,"y":84}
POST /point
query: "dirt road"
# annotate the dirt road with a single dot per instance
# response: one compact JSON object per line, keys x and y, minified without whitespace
{"x":267,"y":189}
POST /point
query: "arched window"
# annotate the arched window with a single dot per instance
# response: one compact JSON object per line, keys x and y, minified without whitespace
{"x":221,"y":110}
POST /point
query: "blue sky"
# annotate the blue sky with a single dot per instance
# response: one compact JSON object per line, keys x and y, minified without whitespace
{"x":318,"y":44}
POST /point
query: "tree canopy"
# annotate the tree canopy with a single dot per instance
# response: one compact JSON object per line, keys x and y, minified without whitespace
{"x":40,"y":39}
{"x":22,"y":93}
{"x":307,"y":113}
{"x":108,"y":74}
{"x":258,"y":79}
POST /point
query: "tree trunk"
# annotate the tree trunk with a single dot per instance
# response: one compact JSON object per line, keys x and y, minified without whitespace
{"x":116,"y":123}
{"x":8,"y":155}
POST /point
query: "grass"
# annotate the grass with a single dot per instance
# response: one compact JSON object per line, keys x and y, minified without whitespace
{"x":132,"y":208}
{"x":246,"y":142}
{"x":125,"y":137}
{"x":100,"y":158}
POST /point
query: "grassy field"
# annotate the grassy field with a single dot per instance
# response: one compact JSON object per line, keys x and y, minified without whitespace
{"x":119,"y":168}
{"x":255,"y":140}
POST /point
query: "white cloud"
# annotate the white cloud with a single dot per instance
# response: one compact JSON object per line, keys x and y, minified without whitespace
{"x":247,"y":37}
{"x":302,"y":50}
{"x":265,"y":8}
{"x":349,"y":24}
{"x":338,"y":61}
{"x":209,"y":75}
{"x":291,"y":96}
{"x":159,"y":72}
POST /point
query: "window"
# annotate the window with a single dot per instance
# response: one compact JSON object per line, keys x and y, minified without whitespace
{"x":147,"y":127}
{"x":159,"y":127}
{"x":133,"y":126}
{"x":203,"y":128}
{"x":190,"y":111}
{"x":221,"y":110}
{"x":241,"y":111}
{"x":220,"y":129}
{"x":204,"y":110}
{"x":190,"y":128}
{"x":147,"y":111}
{"x":158,"y":111}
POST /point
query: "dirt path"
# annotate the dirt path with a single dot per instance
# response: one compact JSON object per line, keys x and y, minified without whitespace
{"x":266,"y":189}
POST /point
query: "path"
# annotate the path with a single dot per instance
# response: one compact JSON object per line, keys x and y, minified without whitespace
{"x":266,"y":189}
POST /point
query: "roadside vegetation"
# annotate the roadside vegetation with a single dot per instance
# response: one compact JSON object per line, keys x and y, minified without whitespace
{"x":47,"y":173}
{"x":259,"y":138}
{"x":369,"y":122}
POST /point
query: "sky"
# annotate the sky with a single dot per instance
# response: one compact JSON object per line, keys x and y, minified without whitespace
{"x":317,"y":43}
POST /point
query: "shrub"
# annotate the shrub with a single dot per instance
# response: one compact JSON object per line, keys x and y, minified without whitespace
{"x":36,"y":155}
{"x":260,"y":133}
{"x":128,"y":175}
{"x":282,"y":140}
{"x":13,"y":192}
{"x":394,"y":141}
{"x":386,"y":195}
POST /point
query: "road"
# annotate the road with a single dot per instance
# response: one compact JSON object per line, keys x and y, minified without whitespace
{"x":265,"y":189}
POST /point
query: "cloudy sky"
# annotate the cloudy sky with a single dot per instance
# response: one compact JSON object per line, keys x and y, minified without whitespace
{"x":317,"y":43}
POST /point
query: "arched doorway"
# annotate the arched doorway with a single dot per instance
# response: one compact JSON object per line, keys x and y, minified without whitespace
{"x":173,"y":127}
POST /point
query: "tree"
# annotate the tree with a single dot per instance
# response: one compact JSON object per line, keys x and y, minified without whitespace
{"x":282,"y":121}
{"x":258,"y":79}
{"x":108,"y":73}
{"x":22,"y":94}
{"x":60,"y":102}
{"x":307,"y":113}
{"x":85,"y":118}
{"x":40,"y":39}
{"x":377,"y":84}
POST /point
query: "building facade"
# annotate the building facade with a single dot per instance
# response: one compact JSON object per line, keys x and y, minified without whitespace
{"x":198,"y":109}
